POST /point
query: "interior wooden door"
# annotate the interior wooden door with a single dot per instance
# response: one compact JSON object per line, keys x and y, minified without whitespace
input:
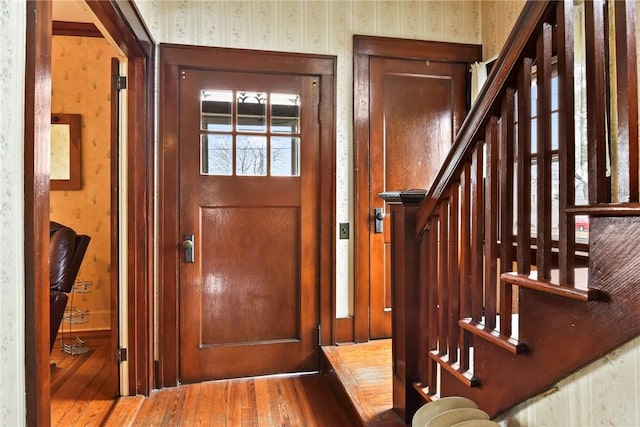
{"x":249,"y":178}
{"x":415,"y":108}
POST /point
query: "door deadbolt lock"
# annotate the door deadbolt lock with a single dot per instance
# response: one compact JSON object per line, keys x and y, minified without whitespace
{"x":378,"y":219}
{"x":187,"y":245}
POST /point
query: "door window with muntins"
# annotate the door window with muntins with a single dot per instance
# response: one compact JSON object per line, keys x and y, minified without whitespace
{"x":249,"y":133}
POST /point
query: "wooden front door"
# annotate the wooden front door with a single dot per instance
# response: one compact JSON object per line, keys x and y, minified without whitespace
{"x":412,"y":110}
{"x":249,"y":186}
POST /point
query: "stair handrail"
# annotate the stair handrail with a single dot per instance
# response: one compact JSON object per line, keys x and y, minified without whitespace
{"x":529,"y":20}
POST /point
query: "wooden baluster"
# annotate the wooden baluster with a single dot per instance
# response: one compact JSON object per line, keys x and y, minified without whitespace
{"x":477,"y":217}
{"x":443,"y":279}
{"x":627,"y":100}
{"x":507,"y":143}
{"x":425,"y":303}
{"x":566,"y":143}
{"x":454,"y":273}
{"x":491,"y":224}
{"x":596,"y":100}
{"x":543,"y":57}
{"x":524,"y":168}
{"x":433,"y":301}
{"x":465,"y":261}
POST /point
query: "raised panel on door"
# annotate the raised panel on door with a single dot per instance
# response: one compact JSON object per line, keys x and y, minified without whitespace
{"x":415,"y":108}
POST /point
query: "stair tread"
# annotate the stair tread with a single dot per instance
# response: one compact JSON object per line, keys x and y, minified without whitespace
{"x":467,"y":377}
{"x":531,"y":281}
{"x":510,"y":344}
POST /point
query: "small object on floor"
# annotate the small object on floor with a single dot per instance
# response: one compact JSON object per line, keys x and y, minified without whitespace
{"x":477,"y":423}
{"x":76,"y":347}
{"x":429,"y":410}
{"x":454,"y":416}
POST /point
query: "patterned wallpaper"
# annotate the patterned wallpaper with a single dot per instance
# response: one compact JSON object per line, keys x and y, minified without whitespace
{"x":605,"y":393}
{"x":12,"y":375}
{"x":498,"y":18}
{"x":323,"y":27}
{"x":81,"y":85}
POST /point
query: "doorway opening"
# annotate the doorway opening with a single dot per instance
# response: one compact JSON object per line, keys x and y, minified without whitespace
{"x":84,"y":65}
{"x":135,"y":42}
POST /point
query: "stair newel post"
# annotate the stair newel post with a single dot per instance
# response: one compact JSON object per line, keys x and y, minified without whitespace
{"x":405,"y":276}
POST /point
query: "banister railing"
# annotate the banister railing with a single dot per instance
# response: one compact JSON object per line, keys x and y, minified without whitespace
{"x":516,"y":175}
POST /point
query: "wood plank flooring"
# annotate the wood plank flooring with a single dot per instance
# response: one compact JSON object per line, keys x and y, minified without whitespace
{"x":288,"y":401}
{"x":80,"y":384}
{"x":80,"y":397}
{"x":363,"y":371}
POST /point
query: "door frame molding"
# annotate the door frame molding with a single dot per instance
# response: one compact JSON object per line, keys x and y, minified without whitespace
{"x":172,"y":58}
{"x":126,"y":27}
{"x":364,"y":48}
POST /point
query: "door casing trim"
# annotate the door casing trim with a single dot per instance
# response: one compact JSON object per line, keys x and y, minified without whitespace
{"x":127,"y":29}
{"x":365,"y":47}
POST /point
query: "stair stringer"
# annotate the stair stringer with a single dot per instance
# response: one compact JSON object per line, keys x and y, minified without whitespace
{"x":563,"y":335}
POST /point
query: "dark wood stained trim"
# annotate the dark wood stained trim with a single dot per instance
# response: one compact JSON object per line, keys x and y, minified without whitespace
{"x":174,"y":57}
{"x":328,"y":201}
{"x":168,"y":263}
{"x":125,"y":25}
{"x":344,"y":330}
{"x":622,"y":209}
{"x":416,"y":49}
{"x":235,"y":59}
{"x":115,"y":224}
{"x":136,"y":43}
{"x":75,"y":29}
{"x":37,"y":126}
{"x":365,"y":47}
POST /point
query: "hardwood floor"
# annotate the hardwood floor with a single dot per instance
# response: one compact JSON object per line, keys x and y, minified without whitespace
{"x":80,"y":384}
{"x":80,"y":397}
{"x":362,"y":375}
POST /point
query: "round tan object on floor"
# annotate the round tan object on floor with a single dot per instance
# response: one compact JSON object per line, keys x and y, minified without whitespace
{"x":477,"y":423}
{"x":429,"y":410}
{"x":455,"y":416}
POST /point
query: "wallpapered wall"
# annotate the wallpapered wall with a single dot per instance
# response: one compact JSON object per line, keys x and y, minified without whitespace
{"x":605,"y":393}
{"x":81,"y":82}
{"x":497,"y":20}
{"x":322,"y":27}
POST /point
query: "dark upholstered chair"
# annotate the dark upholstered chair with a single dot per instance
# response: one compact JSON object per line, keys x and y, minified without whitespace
{"x":66,"y":251}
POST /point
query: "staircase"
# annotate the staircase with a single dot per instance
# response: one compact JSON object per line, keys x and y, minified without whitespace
{"x":499,"y":292}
